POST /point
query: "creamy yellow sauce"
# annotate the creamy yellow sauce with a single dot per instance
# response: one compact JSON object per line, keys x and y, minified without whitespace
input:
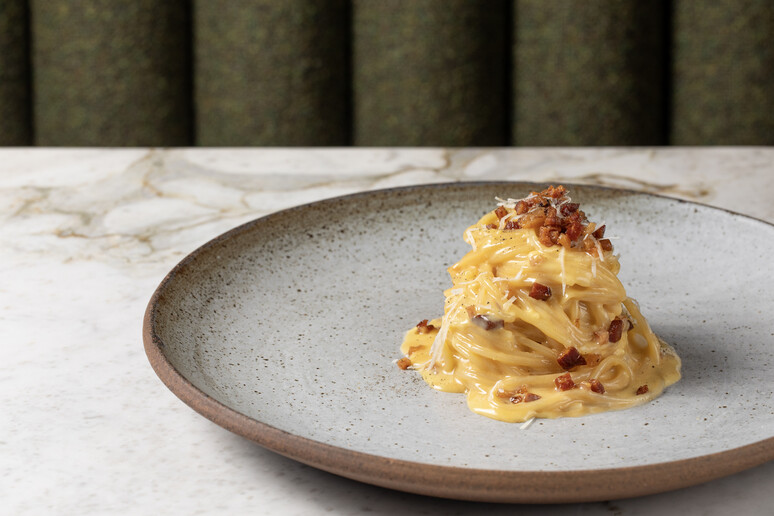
{"x":497,"y":367}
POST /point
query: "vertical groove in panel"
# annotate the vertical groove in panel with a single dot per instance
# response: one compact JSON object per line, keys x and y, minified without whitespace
{"x":272,"y":73}
{"x":430,"y":72}
{"x":588,"y":72}
{"x":111,"y":72}
{"x":15,"y":112}
{"x":723,"y":72}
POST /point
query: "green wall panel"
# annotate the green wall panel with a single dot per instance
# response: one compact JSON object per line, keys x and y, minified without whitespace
{"x":111,"y":72}
{"x":272,"y":73}
{"x":589,"y":72}
{"x":386,"y":72}
{"x":723,"y":72}
{"x":430,"y":72}
{"x":15,"y":113}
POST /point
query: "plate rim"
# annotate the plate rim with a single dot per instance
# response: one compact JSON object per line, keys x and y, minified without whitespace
{"x":455,"y":482}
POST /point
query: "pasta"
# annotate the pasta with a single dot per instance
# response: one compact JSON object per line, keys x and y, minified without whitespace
{"x":536,"y":323}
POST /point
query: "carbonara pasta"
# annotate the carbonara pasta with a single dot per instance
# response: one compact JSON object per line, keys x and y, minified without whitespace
{"x":536,"y":323}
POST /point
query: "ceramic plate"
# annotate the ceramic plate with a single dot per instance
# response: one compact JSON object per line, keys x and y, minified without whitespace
{"x":284,"y":330}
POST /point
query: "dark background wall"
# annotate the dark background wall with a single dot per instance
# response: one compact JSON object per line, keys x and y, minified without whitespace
{"x":15,"y":99}
{"x":111,"y":72}
{"x":386,"y":72}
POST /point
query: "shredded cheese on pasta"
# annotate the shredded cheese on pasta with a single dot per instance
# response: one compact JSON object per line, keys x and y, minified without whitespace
{"x":532,"y":330}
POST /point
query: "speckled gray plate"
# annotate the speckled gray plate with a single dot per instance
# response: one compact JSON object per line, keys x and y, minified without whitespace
{"x":284,"y":330}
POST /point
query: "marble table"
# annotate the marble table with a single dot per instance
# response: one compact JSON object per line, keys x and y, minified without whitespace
{"x":87,"y":234}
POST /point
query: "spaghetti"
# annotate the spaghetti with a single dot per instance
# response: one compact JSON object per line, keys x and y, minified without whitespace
{"x":536,"y":323}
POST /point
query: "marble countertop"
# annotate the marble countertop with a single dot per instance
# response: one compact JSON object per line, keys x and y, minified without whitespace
{"x":87,"y":235}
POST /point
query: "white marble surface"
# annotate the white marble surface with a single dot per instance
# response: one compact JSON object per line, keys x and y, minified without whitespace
{"x":87,"y":234}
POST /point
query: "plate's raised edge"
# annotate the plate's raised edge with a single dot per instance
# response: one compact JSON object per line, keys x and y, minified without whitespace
{"x":448,"y":481}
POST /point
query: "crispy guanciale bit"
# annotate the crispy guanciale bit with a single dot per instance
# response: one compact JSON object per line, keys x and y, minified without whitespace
{"x":642,"y":389}
{"x":423,"y":327}
{"x":502,"y":393}
{"x":540,"y":292}
{"x":555,"y":192}
{"x":599,"y":234}
{"x":596,"y":386}
{"x":404,"y":363}
{"x":564,"y":241}
{"x":551,"y":215}
{"x":520,"y":395}
{"x":552,"y":219}
{"x":485,"y":322}
{"x":509,"y":225}
{"x":549,"y":235}
{"x":567,"y":208}
{"x":530,"y":396}
{"x":570,"y":358}
{"x":592,"y":359}
{"x":616,"y":329}
{"x":574,"y":228}
{"x":533,"y":219}
{"x":564,"y":382}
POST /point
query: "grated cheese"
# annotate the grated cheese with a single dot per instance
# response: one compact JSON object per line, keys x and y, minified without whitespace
{"x":599,"y":250}
{"x":561,"y":262}
{"x":440,"y":339}
{"x":463,"y":358}
{"x":470,"y":239}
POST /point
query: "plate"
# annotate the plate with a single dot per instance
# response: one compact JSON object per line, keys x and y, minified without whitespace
{"x":285,"y":331}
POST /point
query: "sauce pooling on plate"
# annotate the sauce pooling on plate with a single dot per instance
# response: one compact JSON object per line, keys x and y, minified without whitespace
{"x":536,"y":323}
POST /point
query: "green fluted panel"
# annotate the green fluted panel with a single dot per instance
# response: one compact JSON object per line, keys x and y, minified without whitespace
{"x":723,"y":72}
{"x":430,"y":72}
{"x":272,"y":72}
{"x":111,"y":72}
{"x":15,"y":123}
{"x":589,"y":72}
